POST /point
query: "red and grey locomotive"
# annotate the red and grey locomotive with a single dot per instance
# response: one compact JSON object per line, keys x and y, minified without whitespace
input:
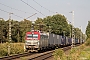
{"x":35,"y":41}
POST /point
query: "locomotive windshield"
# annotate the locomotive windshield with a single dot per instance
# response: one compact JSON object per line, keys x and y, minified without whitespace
{"x":32,"y":35}
{"x":29,"y":36}
{"x":35,"y":35}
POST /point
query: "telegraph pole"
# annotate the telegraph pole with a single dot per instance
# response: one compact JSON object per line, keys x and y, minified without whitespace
{"x":73,"y":36}
{"x":10,"y":27}
{"x":9,"y":32}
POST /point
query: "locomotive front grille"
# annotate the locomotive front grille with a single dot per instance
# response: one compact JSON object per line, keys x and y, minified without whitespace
{"x":32,"y":42}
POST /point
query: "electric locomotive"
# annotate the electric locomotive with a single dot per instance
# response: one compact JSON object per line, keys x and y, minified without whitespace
{"x":36,"y":41}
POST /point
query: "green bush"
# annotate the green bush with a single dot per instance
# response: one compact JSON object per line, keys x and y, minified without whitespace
{"x":3,"y":49}
{"x":15,"y":48}
{"x":59,"y":54}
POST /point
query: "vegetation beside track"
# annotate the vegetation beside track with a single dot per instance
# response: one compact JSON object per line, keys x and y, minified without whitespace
{"x":77,"y":53}
{"x":15,"y":48}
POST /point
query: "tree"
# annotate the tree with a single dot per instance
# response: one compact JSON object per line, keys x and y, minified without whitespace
{"x":47,"y":22}
{"x":15,"y":31}
{"x":88,"y":30}
{"x":57,"y":24}
{"x":3,"y":31}
{"x":24,"y":26}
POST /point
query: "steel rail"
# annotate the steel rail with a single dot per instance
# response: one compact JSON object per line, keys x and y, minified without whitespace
{"x":49,"y":54}
{"x":15,"y":56}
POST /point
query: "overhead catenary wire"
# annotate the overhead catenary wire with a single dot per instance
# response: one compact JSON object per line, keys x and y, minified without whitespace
{"x":32,"y":7}
{"x":31,"y":15}
{"x":13,"y":13}
{"x":43,"y":7}
{"x":14,"y":8}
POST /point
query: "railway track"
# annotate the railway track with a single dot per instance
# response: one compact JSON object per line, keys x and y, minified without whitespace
{"x":47,"y":55}
{"x":15,"y":56}
{"x":35,"y":56}
{"x":43,"y":56}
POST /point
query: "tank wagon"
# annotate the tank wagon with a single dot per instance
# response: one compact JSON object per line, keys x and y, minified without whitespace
{"x":37,"y":41}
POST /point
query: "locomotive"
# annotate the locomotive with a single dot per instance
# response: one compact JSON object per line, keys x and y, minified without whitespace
{"x":37,"y":41}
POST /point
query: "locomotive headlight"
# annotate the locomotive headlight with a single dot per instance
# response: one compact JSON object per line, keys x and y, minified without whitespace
{"x":38,"y":43}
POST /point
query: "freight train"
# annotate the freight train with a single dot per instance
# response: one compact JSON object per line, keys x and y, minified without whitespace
{"x":37,"y":41}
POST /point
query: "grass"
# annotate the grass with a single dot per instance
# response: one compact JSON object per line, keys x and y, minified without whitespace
{"x":77,"y":53}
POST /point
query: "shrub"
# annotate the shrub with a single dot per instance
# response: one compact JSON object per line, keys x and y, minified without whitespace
{"x":3,"y":49}
{"x":59,"y":54}
{"x":15,"y":48}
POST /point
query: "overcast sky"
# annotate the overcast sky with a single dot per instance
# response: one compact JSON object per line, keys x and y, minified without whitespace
{"x":25,"y":8}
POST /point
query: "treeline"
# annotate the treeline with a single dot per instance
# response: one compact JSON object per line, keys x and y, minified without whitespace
{"x":88,"y":30}
{"x":57,"y":24}
{"x":88,"y":34}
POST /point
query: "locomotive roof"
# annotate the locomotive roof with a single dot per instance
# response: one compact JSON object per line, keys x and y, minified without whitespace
{"x":41,"y":33}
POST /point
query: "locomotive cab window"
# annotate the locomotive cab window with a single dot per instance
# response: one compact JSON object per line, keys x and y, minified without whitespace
{"x":29,"y":36}
{"x":35,"y":35}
